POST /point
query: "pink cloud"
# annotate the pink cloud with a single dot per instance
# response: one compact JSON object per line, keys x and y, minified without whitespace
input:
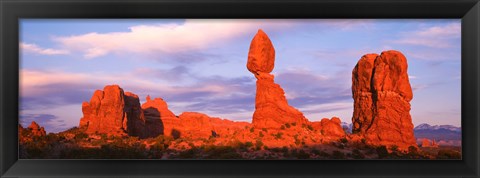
{"x":166,"y":38}
{"x":436,"y":37}
{"x":33,"y":48}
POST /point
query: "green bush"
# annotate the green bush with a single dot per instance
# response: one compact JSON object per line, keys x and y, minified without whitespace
{"x":278,"y":135}
{"x":303,"y":155}
{"x":394,"y":148}
{"x":338,"y":155}
{"x":356,"y":154}
{"x":258,"y":144}
{"x":309,"y":127}
{"x":449,"y":154}
{"x":382,"y":152}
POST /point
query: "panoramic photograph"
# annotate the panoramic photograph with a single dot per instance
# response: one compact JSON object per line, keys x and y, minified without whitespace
{"x":240,"y":89}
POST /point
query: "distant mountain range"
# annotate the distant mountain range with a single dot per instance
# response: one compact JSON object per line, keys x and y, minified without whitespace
{"x":438,"y":127}
{"x":442,"y":134}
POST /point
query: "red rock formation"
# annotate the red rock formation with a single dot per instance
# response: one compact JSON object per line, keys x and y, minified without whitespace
{"x":158,"y":116}
{"x":382,"y":93}
{"x":271,"y":106}
{"x":134,"y":119}
{"x":113,"y":112}
{"x":195,"y":125}
{"x":36,"y":130}
{"x":434,"y":144}
{"x":261,"y":57}
{"x":426,"y":143}
{"x":332,"y":127}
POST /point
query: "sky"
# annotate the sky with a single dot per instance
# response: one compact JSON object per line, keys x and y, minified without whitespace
{"x":199,"y":65}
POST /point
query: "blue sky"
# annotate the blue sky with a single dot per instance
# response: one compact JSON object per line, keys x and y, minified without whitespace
{"x":200,"y":65}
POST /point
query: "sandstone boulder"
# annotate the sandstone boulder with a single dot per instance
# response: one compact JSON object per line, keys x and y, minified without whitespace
{"x":261,"y":57}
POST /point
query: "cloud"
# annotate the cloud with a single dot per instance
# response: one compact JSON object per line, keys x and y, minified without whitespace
{"x":33,"y":48}
{"x":435,"y":37}
{"x":162,"y":38}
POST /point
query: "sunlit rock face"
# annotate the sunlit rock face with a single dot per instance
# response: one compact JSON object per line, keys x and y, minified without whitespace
{"x":271,"y":106}
{"x":113,"y":112}
{"x":36,"y":129}
{"x":382,"y":94}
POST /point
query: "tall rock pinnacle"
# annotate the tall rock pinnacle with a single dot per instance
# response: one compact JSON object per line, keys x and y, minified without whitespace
{"x":271,"y":106}
{"x":382,"y":94}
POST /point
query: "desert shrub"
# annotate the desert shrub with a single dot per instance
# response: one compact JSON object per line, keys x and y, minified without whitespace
{"x":294,"y":124}
{"x":364,"y":141}
{"x":223,"y":152}
{"x":382,"y":151}
{"x":252,"y":129}
{"x":343,"y":140}
{"x":303,"y":155}
{"x":264,"y":129}
{"x":80,"y":136}
{"x":265,"y":147}
{"x":278,"y":135}
{"x":316,"y":151}
{"x":187,"y":154}
{"x":258,"y":144}
{"x":297,"y":141}
{"x":448,"y":154}
{"x":394,"y":148}
{"x":282,"y":127}
{"x":287,"y":125}
{"x":338,"y":155}
{"x":260,"y":134}
{"x":309,"y":127}
{"x":356,"y":154}
{"x":248,"y":144}
{"x":412,"y":149}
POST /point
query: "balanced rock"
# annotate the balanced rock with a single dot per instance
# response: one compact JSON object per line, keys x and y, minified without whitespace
{"x":382,"y":93}
{"x":261,"y":57}
{"x":271,"y":106}
{"x":113,"y":112}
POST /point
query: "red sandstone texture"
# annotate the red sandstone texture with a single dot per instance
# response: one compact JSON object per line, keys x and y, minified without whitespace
{"x":35,"y":129}
{"x":159,"y":119}
{"x":427,"y":143}
{"x":271,"y":106}
{"x":113,"y":112}
{"x":382,"y":93}
{"x":261,"y":57}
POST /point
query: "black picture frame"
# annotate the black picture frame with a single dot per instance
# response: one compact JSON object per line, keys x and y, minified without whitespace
{"x":12,"y":10}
